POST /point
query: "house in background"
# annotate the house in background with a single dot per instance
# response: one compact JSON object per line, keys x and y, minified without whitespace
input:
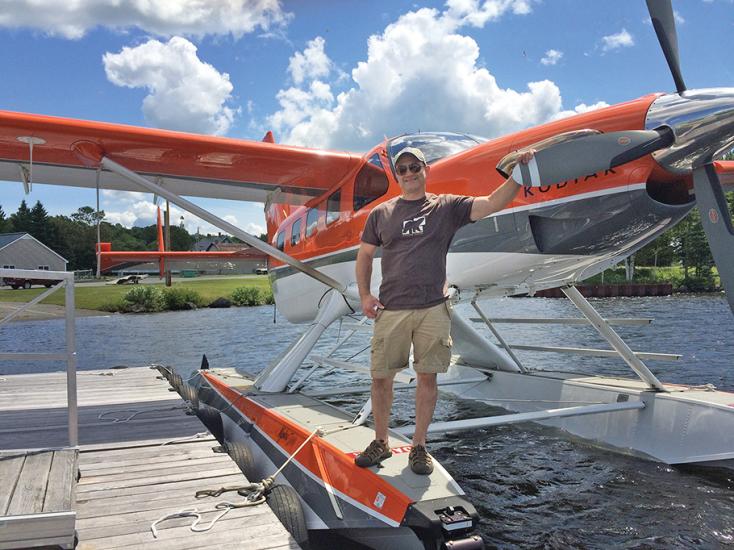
{"x":23,"y":251}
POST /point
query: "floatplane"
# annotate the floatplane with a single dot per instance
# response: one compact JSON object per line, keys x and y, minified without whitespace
{"x":602,"y":185}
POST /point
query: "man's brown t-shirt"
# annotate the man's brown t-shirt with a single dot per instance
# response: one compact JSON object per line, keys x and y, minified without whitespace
{"x":415,"y":238}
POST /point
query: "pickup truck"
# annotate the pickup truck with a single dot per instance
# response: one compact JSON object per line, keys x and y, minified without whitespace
{"x":21,"y":282}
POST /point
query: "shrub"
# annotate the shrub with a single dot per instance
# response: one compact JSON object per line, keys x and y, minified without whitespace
{"x":248,"y":296}
{"x":269,"y":298}
{"x":143,"y":298}
{"x":182,"y":298}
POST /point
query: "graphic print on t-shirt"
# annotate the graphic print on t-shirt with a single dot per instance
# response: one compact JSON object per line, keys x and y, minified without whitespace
{"x":414,"y":226}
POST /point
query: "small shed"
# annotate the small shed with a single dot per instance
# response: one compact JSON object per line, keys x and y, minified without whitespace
{"x":24,"y":251}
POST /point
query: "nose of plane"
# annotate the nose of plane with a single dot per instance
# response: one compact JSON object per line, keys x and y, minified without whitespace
{"x":703,"y":122}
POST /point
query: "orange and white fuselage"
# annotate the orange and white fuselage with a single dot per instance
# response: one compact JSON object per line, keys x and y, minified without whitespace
{"x":550,"y":235}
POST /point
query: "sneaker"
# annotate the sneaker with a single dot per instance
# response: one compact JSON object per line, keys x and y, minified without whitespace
{"x":376,"y":452}
{"x":420,"y":461}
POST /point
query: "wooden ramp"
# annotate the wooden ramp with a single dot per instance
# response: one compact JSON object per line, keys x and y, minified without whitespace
{"x":36,"y":498}
{"x":141,"y":457}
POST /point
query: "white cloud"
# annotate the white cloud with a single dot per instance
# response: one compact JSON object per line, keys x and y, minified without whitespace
{"x":158,"y":17}
{"x":580,"y":108}
{"x":622,"y":39}
{"x":398,"y":88}
{"x":132,"y":209}
{"x":311,"y":63}
{"x":478,"y":14}
{"x":551,"y":57}
{"x":254,"y":229}
{"x":184,"y":92}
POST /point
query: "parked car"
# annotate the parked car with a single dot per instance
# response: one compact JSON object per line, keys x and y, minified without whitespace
{"x":20,"y":282}
{"x":261,"y":271}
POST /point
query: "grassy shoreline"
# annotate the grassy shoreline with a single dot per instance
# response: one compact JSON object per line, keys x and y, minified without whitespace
{"x":109,"y":297}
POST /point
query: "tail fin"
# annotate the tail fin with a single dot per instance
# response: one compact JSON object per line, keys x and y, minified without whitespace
{"x":269,"y":138}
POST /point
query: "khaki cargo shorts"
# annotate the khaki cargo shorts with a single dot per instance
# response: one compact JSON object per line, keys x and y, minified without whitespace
{"x":427,"y":329}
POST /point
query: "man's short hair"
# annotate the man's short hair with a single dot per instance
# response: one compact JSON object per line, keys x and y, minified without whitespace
{"x":417,"y":153}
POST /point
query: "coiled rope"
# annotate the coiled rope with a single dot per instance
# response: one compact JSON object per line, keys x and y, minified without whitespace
{"x":253,"y":493}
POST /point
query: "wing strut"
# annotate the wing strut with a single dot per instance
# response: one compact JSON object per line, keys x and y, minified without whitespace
{"x":608,"y":333}
{"x":222,"y":224}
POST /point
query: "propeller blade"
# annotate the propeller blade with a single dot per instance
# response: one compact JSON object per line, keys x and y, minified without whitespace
{"x":663,"y":20}
{"x":716,"y":222}
{"x":589,"y":155}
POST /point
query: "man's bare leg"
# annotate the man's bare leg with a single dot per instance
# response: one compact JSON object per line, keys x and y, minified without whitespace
{"x":426,"y":394}
{"x":381,"y":405}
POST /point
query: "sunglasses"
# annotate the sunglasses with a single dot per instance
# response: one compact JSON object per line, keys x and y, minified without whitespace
{"x":413,"y":167}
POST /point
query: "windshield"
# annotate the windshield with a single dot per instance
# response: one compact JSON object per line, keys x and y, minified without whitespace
{"x":435,"y":146}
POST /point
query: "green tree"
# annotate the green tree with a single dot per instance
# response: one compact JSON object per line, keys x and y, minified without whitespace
{"x":87,"y":215}
{"x":5,"y":225}
{"x":22,"y":219}
{"x":41,"y":229}
{"x":657,"y":253}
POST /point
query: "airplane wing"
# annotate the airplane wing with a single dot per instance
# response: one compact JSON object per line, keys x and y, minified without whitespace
{"x":187,"y":164}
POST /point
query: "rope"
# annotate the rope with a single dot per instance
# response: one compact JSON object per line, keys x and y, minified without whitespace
{"x":195,"y":514}
{"x":254,"y":494}
{"x":272,"y":477}
{"x":199,"y":435}
{"x":702,"y":387}
{"x":136,"y":412}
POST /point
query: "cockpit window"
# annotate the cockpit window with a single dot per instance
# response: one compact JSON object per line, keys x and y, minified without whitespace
{"x":435,"y":146}
{"x":370,"y":184}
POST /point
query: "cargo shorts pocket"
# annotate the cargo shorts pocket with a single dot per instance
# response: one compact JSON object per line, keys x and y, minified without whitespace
{"x":437,"y":358}
{"x":377,"y":354}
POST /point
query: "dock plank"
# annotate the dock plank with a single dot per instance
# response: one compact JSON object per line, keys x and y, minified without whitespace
{"x":31,"y":488}
{"x":10,"y":468}
{"x":60,"y":494}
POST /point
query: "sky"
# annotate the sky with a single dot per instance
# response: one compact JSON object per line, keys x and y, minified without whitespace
{"x":330,"y":74}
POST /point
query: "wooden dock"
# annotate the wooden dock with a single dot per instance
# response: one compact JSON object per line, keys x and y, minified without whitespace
{"x":141,"y":457}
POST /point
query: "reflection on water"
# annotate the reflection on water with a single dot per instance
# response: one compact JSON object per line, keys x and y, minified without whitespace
{"x":533,"y":486}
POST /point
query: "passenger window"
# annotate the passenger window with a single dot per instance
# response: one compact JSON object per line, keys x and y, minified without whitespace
{"x":332,"y":207}
{"x":296,"y":232}
{"x":312,"y":220}
{"x":370,"y":184}
{"x":280,"y":241}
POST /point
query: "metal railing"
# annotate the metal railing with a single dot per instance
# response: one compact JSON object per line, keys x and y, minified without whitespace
{"x":62,"y":279}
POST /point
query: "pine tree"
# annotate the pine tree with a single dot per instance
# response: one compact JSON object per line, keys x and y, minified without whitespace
{"x":22,"y":219}
{"x":40,"y":227}
{"x":5,"y":226}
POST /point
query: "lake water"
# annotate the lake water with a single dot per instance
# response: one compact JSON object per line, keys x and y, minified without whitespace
{"x":533,"y":487}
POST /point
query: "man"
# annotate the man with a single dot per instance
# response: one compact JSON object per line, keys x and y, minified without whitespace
{"x":414,"y":230}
